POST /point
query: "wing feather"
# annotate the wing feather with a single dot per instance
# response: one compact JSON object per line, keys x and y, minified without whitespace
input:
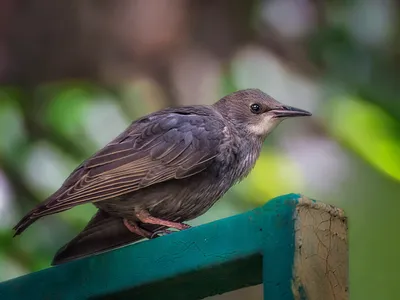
{"x":154,"y":150}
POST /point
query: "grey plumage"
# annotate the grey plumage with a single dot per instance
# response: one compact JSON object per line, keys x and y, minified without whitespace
{"x":171,"y":165}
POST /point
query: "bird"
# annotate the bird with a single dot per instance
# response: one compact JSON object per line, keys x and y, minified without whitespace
{"x":164,"y":169}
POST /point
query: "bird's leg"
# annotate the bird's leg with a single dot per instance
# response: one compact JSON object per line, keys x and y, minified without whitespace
{"x":134,"y":228}
{"x":145,"y":217}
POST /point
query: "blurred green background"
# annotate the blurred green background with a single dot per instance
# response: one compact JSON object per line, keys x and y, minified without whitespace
{"x":75,"y":73}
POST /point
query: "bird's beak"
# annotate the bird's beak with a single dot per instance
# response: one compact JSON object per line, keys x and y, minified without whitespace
{"x":289,"y":111}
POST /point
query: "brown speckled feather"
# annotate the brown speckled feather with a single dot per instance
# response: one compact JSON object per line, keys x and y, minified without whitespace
{"x":162,"y":146}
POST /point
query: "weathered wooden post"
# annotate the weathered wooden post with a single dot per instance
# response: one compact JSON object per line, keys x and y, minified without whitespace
{"x":295,"y":246}
{"x":320,"y":269}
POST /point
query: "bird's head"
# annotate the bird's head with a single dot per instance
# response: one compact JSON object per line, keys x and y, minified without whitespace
{"x":256,"y":112}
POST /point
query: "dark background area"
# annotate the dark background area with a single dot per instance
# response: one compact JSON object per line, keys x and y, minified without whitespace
{"x":75,"y":73}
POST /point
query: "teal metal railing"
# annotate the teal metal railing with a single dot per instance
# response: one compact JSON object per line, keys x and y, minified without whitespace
{"x":295,"y":246}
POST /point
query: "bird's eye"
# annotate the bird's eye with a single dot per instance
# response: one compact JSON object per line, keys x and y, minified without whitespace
{"x":255,"y":108}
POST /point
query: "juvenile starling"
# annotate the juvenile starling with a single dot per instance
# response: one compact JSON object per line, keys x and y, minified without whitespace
{"x":165,"y":168}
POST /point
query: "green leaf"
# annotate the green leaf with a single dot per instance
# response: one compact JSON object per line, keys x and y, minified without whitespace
{"x":368,"y":130}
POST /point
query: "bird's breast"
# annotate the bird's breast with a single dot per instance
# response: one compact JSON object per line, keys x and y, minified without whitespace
{"x":239,"y":158}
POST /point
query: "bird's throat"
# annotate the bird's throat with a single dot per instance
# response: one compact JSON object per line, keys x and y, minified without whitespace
{"x":265,"y":126}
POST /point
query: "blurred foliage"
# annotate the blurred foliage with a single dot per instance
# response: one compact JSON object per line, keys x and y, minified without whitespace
{"x":338,"y":59}
{"x":373,"y":133}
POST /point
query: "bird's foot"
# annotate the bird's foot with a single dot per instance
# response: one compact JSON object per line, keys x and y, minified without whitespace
{"x":135,"y":228}
{"x":160,"y":232}
{"x":145,"y":217}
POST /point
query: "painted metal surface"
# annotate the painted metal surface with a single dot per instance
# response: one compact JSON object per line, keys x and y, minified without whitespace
{"x":225,"y":255}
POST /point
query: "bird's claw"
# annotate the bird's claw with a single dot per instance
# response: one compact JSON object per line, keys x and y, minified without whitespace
{"x":160,"y":232}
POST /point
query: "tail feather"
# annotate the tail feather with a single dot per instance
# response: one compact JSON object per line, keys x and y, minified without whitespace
{"x":34,"y":215}
{"x":26,"y":221}
{"x":103,"y":232}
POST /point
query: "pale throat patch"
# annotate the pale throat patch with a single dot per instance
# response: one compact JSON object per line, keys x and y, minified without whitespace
{"x":267,"y":124}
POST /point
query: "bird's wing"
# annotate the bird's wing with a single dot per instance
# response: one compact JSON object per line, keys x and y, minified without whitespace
{"x":153,"y":150}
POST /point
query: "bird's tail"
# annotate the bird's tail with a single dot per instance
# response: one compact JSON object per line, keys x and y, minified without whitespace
{"x":27,"y":221}
{"x":103,"y":232}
